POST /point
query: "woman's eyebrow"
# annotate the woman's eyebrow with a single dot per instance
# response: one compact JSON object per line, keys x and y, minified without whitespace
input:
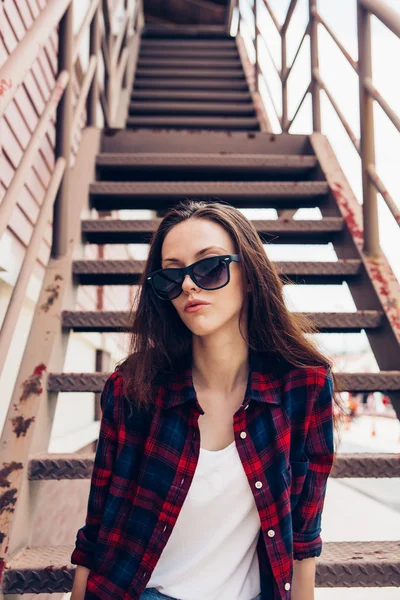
{"x":199,"y":253}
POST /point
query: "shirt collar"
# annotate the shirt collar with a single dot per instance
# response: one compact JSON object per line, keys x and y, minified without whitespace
{"x":262,"y":386}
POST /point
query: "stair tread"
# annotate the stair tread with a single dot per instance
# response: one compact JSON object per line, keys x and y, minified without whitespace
{"x":102,"y":320}
{"x":48,"y":568}
{"x":192,"y":64}
{"x":180,"y":107}
{"x":78,"y":465}
{"x":212,"y":159}
{"x":127,"y":266}
{"x":184,"y":84}
{"x":197,"y":96}
{"x":199,"y":52}
{"x":216,"y":74}
{"x":352,"y":382}
{"x":190,"y":122}
{"x":237,"y":188}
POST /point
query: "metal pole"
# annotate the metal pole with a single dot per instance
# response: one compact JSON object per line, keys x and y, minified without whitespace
{"x":284,"y":82}
{"x":315,"y":89}
{"x":63,"y":135}
{"x":94,"y":49}
{"x":255,"y":45}
{"x":367,"y":139}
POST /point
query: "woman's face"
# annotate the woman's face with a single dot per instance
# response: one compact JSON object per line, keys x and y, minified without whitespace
{"x":183,"y":243}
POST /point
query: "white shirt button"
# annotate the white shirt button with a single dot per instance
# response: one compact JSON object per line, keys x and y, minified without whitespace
{"x":271,"y":532}
{"x":243,"y":434}
{"x":258,"y":484}
{"x":246,"y":407}
{"x":287,"y":586}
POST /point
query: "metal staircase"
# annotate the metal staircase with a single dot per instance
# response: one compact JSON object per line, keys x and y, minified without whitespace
{"x":192,"y":129}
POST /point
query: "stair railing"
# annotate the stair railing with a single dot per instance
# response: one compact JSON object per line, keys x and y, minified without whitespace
{"x":97,"y":85}
{"x":248,"y":17}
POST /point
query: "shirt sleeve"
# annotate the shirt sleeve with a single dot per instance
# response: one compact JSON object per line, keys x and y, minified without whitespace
{"x":319,"y":448}
{"x":86,"y":537}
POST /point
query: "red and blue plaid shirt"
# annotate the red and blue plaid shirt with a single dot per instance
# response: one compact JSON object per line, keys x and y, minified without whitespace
{"x":145,"y":462}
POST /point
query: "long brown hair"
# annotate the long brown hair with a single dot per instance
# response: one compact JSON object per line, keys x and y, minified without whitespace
{"x":160,"y":342}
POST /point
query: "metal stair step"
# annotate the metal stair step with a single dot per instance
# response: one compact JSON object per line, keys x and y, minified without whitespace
{"x":383,"y":381}
{"x":107,"y":195}
{"x":285,"y":231}
{"x":216,"y":162}
{"x":185,"y":32}
{"x":193,"y":122}
{"x":232,"y":73}
{"x":190,"y":108}
{"x":200,"y":52}
{"x":184,"y":63}
{"x":189,"y":44}
{"x":117,"y":321}
{"x":128,"y":272}
{"x":193,"y":84}
{"x":47,"y":569}
{"x":47,"y":466}
{"x":204,"y":142}
{"x":198,"y":96}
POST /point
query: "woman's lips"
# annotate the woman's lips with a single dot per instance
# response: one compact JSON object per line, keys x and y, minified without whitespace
{"x":196,"y":307}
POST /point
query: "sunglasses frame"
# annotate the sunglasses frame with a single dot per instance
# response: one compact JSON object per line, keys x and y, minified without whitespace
{"x":228,"y":258}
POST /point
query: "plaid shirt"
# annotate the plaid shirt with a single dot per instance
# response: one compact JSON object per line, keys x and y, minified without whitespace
{"x":145,"y":462}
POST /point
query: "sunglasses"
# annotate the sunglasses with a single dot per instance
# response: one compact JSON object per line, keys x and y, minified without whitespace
{"x":207,"y":273}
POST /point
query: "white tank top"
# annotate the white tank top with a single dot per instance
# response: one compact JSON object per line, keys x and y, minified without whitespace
{"x":211,"y":552}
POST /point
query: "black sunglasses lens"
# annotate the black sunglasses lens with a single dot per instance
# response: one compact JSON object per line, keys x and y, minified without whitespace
{"x":168,"y":283}
{"x":211,"y":273}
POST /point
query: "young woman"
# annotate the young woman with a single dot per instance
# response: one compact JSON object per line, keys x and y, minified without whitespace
{"x":217,"y":432}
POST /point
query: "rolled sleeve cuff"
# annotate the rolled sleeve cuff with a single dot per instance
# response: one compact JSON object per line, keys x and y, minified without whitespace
{"x":82,"y":558}
{"x":306,"y":545}
{"x":83,"y":553}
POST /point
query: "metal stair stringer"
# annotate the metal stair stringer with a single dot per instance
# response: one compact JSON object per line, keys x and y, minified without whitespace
{"x":32,"y":406}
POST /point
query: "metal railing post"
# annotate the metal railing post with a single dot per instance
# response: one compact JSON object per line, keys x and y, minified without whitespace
{"x":94,"y":50}
{"x":315,"y":88}
{"x":367,"y":137}
{"x":63,"y":135}
{"x":255,"y":15}
{"x":284,"y":81}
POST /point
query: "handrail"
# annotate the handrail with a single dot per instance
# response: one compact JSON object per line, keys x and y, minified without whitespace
{"x":22,"y":58}
{"x":97,"y":19}
{"x":365,"y":146}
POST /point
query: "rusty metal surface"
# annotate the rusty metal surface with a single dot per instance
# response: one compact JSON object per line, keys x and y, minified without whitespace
{"x":128,"y":272}
{"x":380,"y":273}
{"x":341,"y":564}
{"x":119,"y":320}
